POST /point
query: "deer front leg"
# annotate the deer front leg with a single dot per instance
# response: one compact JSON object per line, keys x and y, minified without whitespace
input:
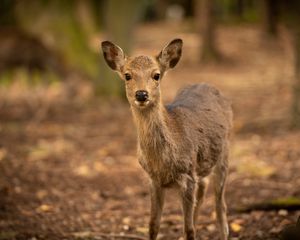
{"x":157,"y":202}
{"x":187,"y":191}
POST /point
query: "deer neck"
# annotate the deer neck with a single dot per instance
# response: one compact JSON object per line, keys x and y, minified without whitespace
{"x":152,"y":128}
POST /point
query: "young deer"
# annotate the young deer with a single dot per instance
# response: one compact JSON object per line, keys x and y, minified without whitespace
{"x":181,"y":144}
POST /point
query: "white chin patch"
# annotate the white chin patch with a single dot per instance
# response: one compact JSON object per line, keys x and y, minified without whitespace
{"x":141,"y":104}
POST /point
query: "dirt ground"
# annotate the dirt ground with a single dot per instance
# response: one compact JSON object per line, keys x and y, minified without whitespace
{"x":68,"y":169}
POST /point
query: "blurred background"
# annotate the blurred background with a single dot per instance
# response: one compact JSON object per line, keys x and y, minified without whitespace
{"x":68,"y":167}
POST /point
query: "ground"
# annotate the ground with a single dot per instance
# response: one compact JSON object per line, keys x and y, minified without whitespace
{"x":68,"y":168}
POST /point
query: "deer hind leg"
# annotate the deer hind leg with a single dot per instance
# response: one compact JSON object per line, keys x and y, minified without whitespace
{"x":219,"y":177}
{"x":200,"y":193}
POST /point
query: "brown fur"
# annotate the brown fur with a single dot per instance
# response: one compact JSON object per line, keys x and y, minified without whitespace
{"x":179,"y":145}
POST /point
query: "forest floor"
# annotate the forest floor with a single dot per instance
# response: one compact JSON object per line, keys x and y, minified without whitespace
{"x":68,"y":169}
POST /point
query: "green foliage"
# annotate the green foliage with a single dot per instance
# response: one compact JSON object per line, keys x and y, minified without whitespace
{"x":5,"y":78}
{"x":286,"y":201}
{"x":7,"y":17}
{"x":230,"y":13}
{"x":7,"y":235}
{"x":28,"y":78}
{"x":59,"y":26}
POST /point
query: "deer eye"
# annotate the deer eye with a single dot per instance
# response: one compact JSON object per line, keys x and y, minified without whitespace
{"x":156,"y":76}
{"x":127,"y":76}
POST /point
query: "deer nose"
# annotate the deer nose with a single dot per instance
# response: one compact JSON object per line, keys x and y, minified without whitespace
{"x":141,"y":95}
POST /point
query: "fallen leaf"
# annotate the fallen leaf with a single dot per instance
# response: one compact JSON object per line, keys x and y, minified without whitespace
{"x":126,"y":227}
{"x":41,"y":194}
{"x":211,"y":227}
{"x":44,"y":208}
{"x":236,"y":227}
{"x":99,"y":167}
{"x":126,"y":220}
{"x":282,"y":212}
{"x":83,"y":170}
{"x":3,"y":153}
{"x":142,"y":229}
{"x":81,"y":234}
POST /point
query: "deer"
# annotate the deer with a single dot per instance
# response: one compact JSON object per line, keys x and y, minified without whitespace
{"x":182,"y":144}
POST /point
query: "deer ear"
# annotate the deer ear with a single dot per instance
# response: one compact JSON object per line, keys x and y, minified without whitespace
{"x":170,"y":55}
{"x":113,"y":55}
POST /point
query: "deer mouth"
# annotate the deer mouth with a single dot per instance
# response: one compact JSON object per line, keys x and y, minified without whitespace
{"x":142,"y":104}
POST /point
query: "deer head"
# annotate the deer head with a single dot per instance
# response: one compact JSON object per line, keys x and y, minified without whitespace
{"x":142,"y":74}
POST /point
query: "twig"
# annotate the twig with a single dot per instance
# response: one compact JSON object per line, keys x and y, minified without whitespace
{"x":112,"y":235}
{"x":290,"y":204}
{"x":129,"y":236}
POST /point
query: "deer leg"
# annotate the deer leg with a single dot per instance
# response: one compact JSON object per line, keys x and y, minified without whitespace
{"x":200,"y":193}
{"x":220,"y":174}
{"x":157,"y":202}
{"x":187,"y":191}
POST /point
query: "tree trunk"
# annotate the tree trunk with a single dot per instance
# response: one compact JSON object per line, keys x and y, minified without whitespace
{"x":296,"y":85}
{"x":269,"y":15}
{"x":206,"y":18}
{"x":291,"y":16}
{"x":161,"y":8}
{"x":19,"y":48}
{"x":121,"y":17}
{"x":7,"y":13}
{"x":85,"y":16}
{"x":240,"y":8}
